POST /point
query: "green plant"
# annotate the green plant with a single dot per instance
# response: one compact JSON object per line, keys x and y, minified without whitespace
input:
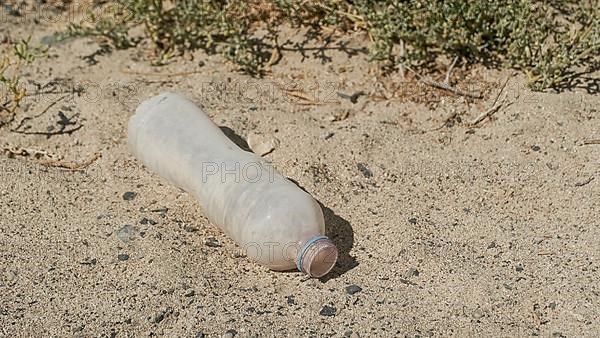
{"x":550,"y":41}
{"x":21,"y":53}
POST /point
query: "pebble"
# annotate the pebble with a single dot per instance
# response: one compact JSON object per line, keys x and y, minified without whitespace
{"x":535,"y":148}
{"x":412,"y":220}
{"x":201,"y":64}
{"x":519,"y":268}
{"x":291,"y":300}
{"x":352,"y":289}
{"x":78,"y":328}
{"x":123,"y":257}
{"x":127,"y":233}
{"x":328,"y":311}
{"x":229,"y":334}
{"x":159,"y":317}
{"x":212,"y":242}
{"x":262,"y":145}
{"x":412,"y":272}
{"x":129,"y":195}
{"x":189,"y":228}
{"x":190,"y":293}
{"x":364,"y":170}
{"x":148,"y":221}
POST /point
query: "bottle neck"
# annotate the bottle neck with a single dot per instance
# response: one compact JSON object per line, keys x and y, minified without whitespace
{"x":317,"y":256}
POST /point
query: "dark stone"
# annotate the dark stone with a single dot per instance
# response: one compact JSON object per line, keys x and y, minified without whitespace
{"x":200,"y":335}
{"x":328,"y":311}
{"x":412,"y":220}
{"x":123,"y":256}
{"x":364,"y":170}
{"x":190,"y":293}
{"x":148,"y":221}
{"x":212,"y":242}
{"x":535,"y":148}
{"x":189,"y":228}
{"x":352,"y":289}
{"x":129,"y":195}
{"x":159,"y":317}
{"x":519,"y":268}
{"x":291,"y":300}
{"x":412,"y":272}
{"x":231,"y":332}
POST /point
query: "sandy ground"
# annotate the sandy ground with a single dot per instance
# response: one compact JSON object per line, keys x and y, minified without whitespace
{"x":447,"y":229}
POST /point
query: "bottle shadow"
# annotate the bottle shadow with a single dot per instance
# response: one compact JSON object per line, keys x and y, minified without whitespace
{"x":235,"y":138}
{"x":338,"y":229}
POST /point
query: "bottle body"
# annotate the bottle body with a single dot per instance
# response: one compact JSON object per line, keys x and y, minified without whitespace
{"x":266,"y":214}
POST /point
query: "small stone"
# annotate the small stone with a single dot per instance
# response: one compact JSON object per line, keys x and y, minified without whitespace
{"x":535,"y":148}
{"x":291,"y":300}
{"x":328,"y":311}
{"x":148,"y":221}
{"x":412,"y":272}
{"x":159,"y":317}
{"x":189,"y":228}
{"x":123,"y":257}
{"x":127,"y":233}
{"x":412,"y":220}
{"x":352,"y":289}
{"x":190,"y":293}
{"x":491,"y":245}
{"x":519,"y":268}
{"x":262,"y":145}
{"x":89,"y":261}
{"x":364,"y":170}
{"x":129,"y":195}
{"x":552,"y":305}
{"x":229,"y":334}
{"x":328,"y":135}
{"x":201,"y":63}
{"x":212,"y":242}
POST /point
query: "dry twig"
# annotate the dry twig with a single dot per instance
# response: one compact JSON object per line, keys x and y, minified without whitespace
{"x":494,"y":108}
{"x":446,"y":84}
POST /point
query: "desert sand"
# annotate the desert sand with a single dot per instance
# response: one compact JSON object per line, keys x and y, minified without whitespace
{"x":444,"y":228}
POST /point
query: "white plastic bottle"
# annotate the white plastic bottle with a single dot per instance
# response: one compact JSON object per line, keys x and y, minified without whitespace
{"x":275,"y":222}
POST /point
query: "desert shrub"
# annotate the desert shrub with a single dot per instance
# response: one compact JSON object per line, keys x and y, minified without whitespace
{"x":550,"y":41}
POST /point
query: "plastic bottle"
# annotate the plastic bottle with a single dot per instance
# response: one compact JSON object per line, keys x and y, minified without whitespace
{"x":275,"y":222}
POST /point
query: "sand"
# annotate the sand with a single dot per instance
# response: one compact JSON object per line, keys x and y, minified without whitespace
{"x":444,"y":229}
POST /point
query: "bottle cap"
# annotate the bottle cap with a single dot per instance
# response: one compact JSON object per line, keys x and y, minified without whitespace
{"x":317,"y":257}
